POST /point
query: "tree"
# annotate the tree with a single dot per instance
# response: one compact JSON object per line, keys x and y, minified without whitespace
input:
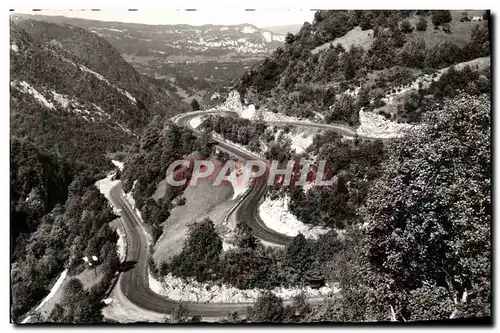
{"x":349,"y":67}
{"x":363,"y":98}
{"x":73,"y":288}
{"x":343,"y":110}
{"x":421,"y":24}
{"x":179,"y":315}
{"x":429,"y":215}
{"x":298,"y":257}
{"x":486,"y":15}
{"x":305,"y":35}
{"x":465,"y":17}
{"x":290,"y":38}
{"x":406,"y":27}
{"x":245,"y":239}
{"x":319,"y":16}
{"x":440,"y":17}
{"x":446,"y":28}
{"x":247,"y":268}
{"x":413,"y":53}
{"x":195,"y":105}
{"x":280,"y":150}
{"x":443,"y":54}
{"x":359,"y":299}
{"x":479,"y":34}
{"x":268,"y":308}
{"x":205,"y":144}
{"x":195,"y":319}
{"x":57,"y":315}
{"x":479,"y":45}
{"x":381,"y":21}
{"x":355,"y":17}
{"x":398,"y":39}
{"x":366,"y":21}
{"x":330,"y":59}
{"x":297,"y":253}
{"x":447,"y":18}
{"x":383,"y":54}
{"x":233,"y":317}
{"x":301,"y":306}
{"x":430,"y":303}
{"x":200,"y":255}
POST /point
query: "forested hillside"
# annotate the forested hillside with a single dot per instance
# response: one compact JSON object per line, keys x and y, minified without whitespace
{"x":348,"y":60}
{"x":191,"y":61}
{"x":73,"y":100}
{"x":73,"y":94}
{"x":57,"y":216}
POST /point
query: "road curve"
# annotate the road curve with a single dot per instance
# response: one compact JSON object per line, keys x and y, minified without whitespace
{"x":134,"y":282}
{"x":247,"y":209}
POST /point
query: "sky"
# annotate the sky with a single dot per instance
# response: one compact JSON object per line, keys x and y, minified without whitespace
{"x":259,"y":18}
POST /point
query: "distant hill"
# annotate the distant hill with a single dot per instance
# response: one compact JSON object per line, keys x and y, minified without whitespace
{"x":192,"y":61}
{"x":181,"y":40}
{"x":284,"y":29}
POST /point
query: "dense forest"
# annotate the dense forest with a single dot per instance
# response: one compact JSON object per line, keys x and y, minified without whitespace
{"x":57,"y":217}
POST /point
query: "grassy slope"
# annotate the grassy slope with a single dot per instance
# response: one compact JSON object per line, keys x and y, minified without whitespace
{"x":356,"y":36}
{"x":202,"y":201}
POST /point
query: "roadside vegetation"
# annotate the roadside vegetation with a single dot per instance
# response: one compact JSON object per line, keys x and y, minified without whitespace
{"x":251,"y":264}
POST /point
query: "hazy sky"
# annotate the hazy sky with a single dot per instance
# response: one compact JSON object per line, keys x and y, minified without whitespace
{"x":259,"y":18}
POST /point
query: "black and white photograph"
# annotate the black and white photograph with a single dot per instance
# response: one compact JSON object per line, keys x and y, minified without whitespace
{"x":279,"y":166}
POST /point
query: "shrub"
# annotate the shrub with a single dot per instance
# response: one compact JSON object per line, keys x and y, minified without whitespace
{"x":440,"y":17}
{"x":195,"y":105}
{"x":406,"y":27}
{"x":421,"y":24}
{"x":267,"y":308}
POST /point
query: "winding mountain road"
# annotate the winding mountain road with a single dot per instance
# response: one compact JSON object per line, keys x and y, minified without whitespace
{"x":134,"y":283}
{"x":247,"y":209}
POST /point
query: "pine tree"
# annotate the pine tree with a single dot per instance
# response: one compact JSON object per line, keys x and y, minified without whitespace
{"x":195,"y":105}
{"x":421,"y":24}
